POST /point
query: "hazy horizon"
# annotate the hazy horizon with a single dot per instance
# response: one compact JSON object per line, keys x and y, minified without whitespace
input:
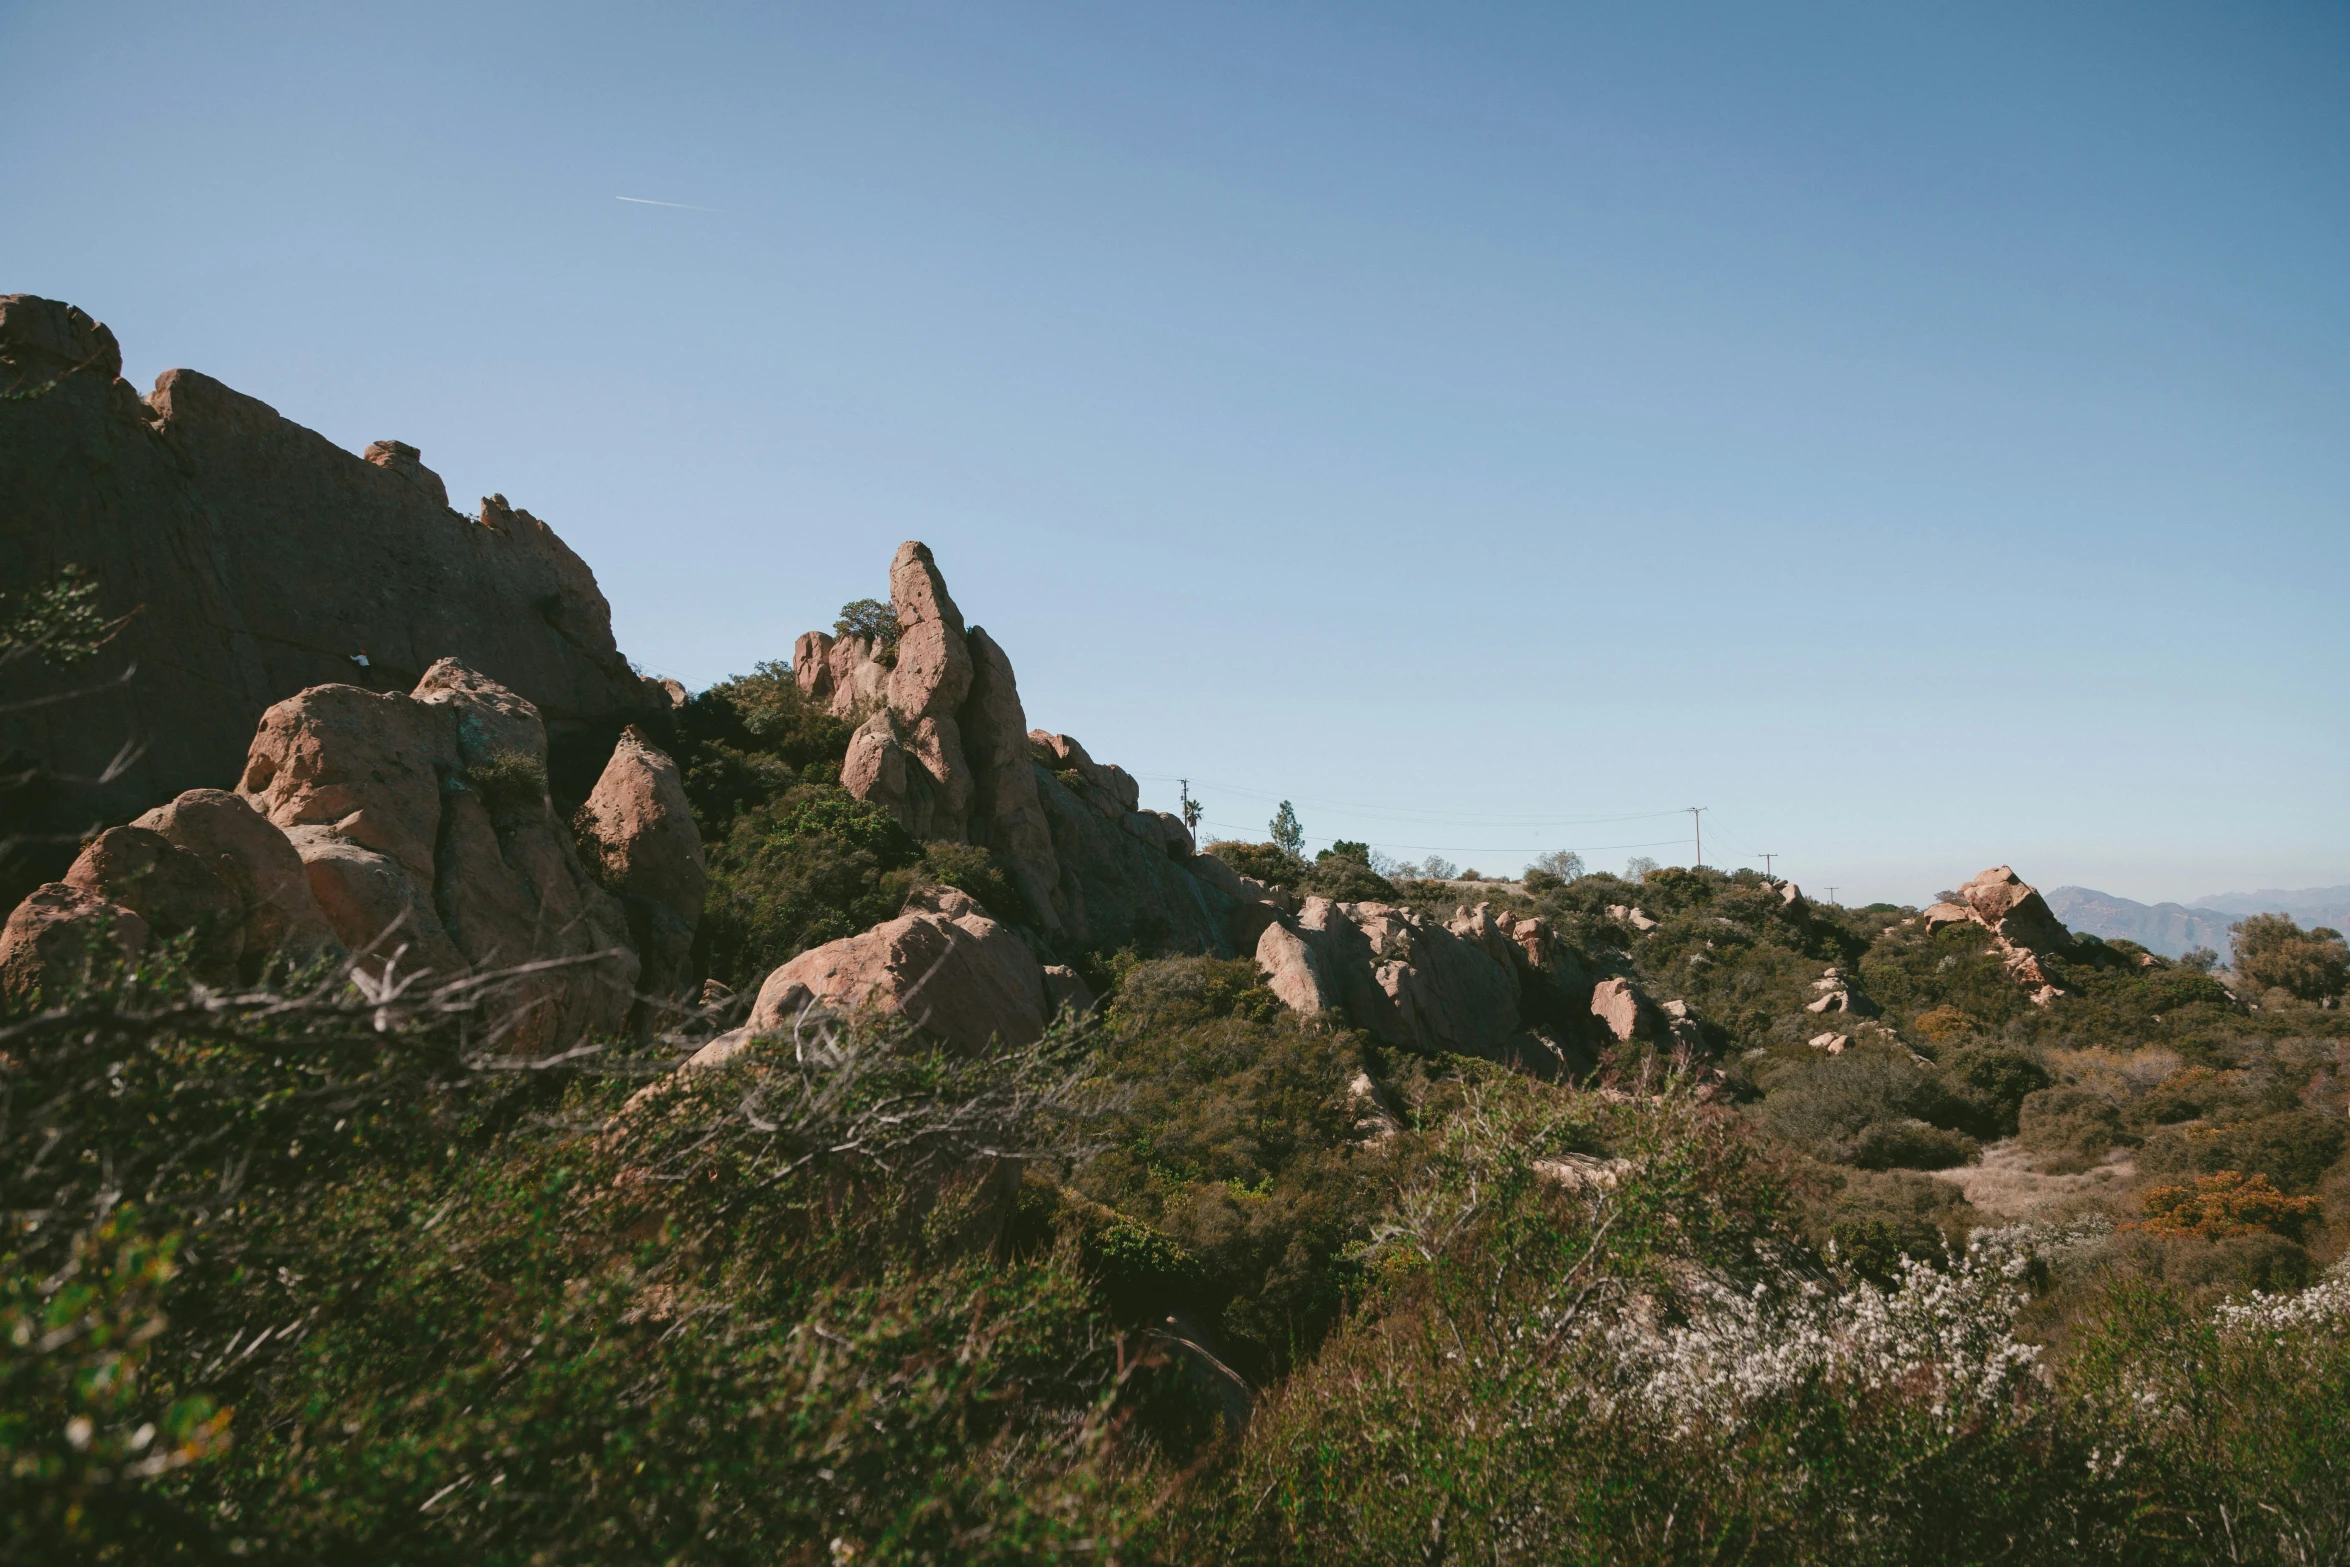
{"x":1921,"y":439}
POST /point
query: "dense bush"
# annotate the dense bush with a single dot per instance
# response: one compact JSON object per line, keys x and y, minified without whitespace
{"x":2274,"y":953}
{"x":1869,"y":1106}
{"x":2068,"y":1122}
{"x":1267,"y":862}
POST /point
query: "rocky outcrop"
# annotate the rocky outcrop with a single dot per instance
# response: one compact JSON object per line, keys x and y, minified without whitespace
{"x":1417,"y":985}
{"x":638,"y":828}
{"x":53,"y":936}
{"x":946,"y":967}
{"x":944,"y":746}
{"x":2023,"y":928}
{"x":424,"y":828}
{"x":263,"y":560}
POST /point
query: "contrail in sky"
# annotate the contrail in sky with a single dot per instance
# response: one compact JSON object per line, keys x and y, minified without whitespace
{"x":685,"y":206}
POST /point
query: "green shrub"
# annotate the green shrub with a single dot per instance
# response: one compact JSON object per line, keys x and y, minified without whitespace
{"x":1864,"y":1103}
{"x":1875,"y":1218}
{"x":973,"y":868}
{"x":1993,"y":1082}
{"x":1267,"y":862}
{"x":1343,"y":879}
{"x":1908,"y":1144}
{"x":2071,"y":1122}
{"x":2293,"y":1148}
{"x":2274,"y":953}
{"x":512,"y":785}
{"x":812,"y":867}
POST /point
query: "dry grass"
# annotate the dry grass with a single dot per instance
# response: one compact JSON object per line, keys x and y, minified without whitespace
{"x":2007,"y":1186}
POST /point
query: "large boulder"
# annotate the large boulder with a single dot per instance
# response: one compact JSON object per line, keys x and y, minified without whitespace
{"x":52,"y":937}
{"x":1626,"y":1012}
{"x":639,"y":827}
{"x":257,"y":862}
{"x":423,"y":823}
{"x":172,"y":891}
{"x":955,"y":974}
{"x":1295,"y":970}
{"x":264,"y":560}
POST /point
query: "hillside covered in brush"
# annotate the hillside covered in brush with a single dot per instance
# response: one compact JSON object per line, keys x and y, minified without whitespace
{"x":512,"y":1111}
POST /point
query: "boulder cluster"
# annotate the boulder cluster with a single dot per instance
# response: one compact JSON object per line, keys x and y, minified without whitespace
{"x":2023,"y":928}
{"x":413,"y":829}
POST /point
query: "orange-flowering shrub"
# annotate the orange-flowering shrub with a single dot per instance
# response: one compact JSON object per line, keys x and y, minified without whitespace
{"x":2226,"y":1203}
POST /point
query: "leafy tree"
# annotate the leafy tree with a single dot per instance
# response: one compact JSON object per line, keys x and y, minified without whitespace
{"x":1287,"y":835}
{"x":1565,"y":864}
{"x":1639,"y":867}
{"x":868,"y":618}
{"x":59,"y":622}
{"x":2274,"y":953}
{"x":1346,"y":849}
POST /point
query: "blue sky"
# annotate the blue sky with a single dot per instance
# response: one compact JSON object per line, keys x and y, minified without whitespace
{"x":1921,"y":435}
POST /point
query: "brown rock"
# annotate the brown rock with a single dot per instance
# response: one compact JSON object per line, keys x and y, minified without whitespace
{"x":2004,"y":901}
{"x":933,"y":672}
{"x":1628,"y":1014}
{"x":957,"y":975}
{"x":370,"y":902}
{"x":366,"y":763}
{"x":639,"y":826}
{"x":1942,"y":914}
{"x":50,"y":938}
{"x":406,"y":461}
{"x":431,"y":811}
{"x":811,"y":668}
{"x":1294,"y":971}
{"x":173,"y":891}
{"x":1005,"y":813}
{"x":262,"y":558}
{"x":258,"y":863}
{"x":1412,"y":983}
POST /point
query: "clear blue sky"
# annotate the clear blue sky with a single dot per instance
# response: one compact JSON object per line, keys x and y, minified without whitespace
{"x":1920,"y":434}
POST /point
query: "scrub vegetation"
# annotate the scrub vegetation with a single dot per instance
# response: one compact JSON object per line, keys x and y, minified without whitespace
{"x":314,"y":1274}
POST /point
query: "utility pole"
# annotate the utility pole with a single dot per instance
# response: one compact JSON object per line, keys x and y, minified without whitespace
{"x":1766,"y":859}
{"x":1831,"y":895}
{"x":1699,"y":827}
{"x":1191,"y":808}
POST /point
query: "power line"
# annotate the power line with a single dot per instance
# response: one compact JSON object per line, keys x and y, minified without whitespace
{"x":1484,"y":818}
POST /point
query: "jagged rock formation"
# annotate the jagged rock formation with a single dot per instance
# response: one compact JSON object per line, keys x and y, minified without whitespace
{"x":429,"y":812}
{"x":2022,"y":926}
{"x":412,"y":828}
{"x":262,"y":560}
{"x":639,"y":828}
{"x":945,"y":747}
{"x":1837,"y":991}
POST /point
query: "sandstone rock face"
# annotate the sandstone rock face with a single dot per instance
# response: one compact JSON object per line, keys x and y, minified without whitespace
{"x":50,"y":938}
{"x":265,"y":558}
{"x":641,"y":828}
{"x":952,"y":972}
{"x":258,"y":864}
{"x":431,"y":811}
{"x":173,"y":893}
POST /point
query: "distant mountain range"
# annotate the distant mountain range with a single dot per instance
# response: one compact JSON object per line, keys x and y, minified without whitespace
{"x":2171,"y":928}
